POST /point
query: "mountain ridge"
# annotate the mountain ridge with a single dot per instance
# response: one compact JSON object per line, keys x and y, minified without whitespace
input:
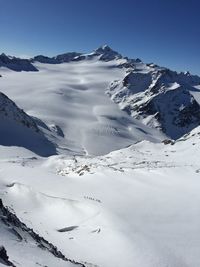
{"x":20,"y":129}
{"x":153,"y":95}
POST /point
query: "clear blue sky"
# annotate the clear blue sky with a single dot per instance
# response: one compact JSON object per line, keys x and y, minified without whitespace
{"x":166,"y":32}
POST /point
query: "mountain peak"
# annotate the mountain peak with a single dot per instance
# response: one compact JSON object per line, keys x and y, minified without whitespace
{"x":106,"y":53}
{"x":104,"y":49}
{"x":3,"y":55}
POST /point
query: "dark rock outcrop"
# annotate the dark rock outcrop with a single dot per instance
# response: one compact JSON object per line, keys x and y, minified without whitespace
{"x":63,"y":58}
{"x":13,"y":222}
{"x":160,"y":98}
{"x":16,"y":64}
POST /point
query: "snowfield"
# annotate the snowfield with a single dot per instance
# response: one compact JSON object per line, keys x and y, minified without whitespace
{"x":134,"y":207}
{"x":112,"y":193}
{"x":72,"y":97}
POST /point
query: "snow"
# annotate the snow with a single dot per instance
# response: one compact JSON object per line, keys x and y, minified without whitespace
{"x":27,"y":252}
{"x":72,"y":97}
{"x":19,"y":129}
{"x":112,"y":194}
{"x":133,"y":207}
{"x":160,"y":98}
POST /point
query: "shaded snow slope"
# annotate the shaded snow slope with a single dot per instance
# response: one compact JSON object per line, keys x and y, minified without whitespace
{"x":71,"y":97}
{"x":19,"y":129}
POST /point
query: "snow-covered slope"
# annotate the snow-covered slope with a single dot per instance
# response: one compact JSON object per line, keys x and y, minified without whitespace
{"x":18,"y":238}
{"x":71,"y":97}
{"x":159,"y":97}
{"x":133,"y":207}
{"x":19,"y":129}
{"x":16,"y":64}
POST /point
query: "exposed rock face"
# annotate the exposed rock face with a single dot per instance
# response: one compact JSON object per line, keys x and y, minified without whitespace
{"x":4,"y":257}
{"x":157,"y":96}
{"x":16,"y":64}
{"x":105,"y":53}
{"x":11,"y":111}
{"x":63,"y":58}
{"x":44,"y":59}
{"x":161,"y":98}
{"x":67,"y":57}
